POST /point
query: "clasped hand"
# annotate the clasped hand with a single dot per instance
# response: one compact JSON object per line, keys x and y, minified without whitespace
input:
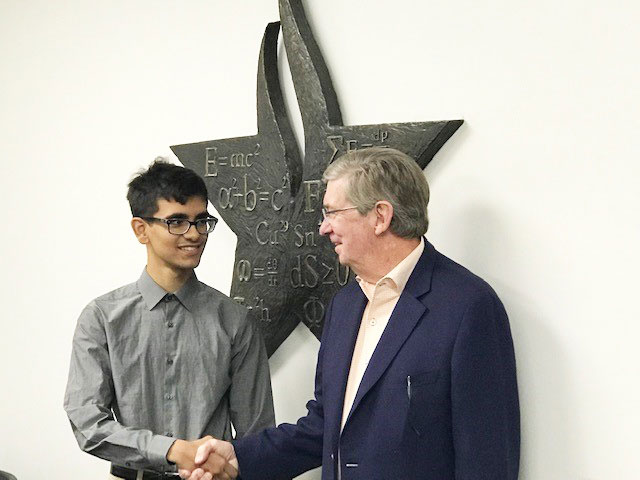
{"x":213,"y":460}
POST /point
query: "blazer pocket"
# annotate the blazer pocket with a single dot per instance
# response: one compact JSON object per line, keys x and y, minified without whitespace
{"x":424,"y":378}
{"x":426,"y":400}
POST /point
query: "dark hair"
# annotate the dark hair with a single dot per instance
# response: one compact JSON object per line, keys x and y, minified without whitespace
{"x":163,"y":180}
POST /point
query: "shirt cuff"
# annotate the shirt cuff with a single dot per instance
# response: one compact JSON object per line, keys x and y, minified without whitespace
{"x":158,"y":449}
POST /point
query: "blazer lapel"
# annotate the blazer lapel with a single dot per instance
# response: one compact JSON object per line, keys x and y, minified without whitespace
{"x":404,"y":318}
{"x":345,"y":323}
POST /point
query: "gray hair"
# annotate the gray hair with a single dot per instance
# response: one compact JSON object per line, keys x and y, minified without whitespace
{"x":380,"y":173}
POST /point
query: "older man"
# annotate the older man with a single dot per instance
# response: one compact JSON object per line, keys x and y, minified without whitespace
{"x":416,"y":373}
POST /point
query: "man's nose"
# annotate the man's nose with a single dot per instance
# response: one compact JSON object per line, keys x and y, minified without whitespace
{"x":325,"y":227}
{"x":192,"y":233}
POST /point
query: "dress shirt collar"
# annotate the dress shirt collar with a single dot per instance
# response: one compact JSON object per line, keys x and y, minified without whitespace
{"x":398,"y":276}
{"x":153,"y":293}
{"x":187,"y":292}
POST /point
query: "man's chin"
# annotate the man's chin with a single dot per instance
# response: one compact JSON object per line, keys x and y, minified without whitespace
{"x":190,"y":265}
{"x":344,"y":261}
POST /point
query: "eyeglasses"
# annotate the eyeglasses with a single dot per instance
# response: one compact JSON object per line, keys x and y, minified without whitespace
{"x":180,"y":226}
{"x":328,"y":214}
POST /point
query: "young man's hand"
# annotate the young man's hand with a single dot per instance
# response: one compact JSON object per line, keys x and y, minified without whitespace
{"x":216,"y":460}
{"x":183,"y":454}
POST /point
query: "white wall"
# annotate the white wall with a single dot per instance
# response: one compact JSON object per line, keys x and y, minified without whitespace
{"x":537,"y":192}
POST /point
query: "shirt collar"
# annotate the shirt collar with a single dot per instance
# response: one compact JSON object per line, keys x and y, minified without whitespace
{"x":399,"y":275}
{"x":187,"y":292}
{"x":153,"y":293}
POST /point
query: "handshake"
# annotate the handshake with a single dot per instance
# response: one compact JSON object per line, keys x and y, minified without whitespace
{"x":204,"y":459}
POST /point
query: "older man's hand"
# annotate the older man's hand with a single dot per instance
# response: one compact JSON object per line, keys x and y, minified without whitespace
{"x":216,"y":460}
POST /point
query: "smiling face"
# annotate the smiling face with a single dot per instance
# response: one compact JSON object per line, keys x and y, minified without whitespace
{"x":179,"y":254}
{"x":352,"y":233}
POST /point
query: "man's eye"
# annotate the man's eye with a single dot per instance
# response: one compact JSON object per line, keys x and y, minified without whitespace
{"x":176,"y":222}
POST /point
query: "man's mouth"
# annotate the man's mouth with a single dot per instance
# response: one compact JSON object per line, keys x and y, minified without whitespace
{"x":190,"y":248}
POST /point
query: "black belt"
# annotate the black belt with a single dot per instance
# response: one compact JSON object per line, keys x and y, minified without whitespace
{"x":131,"y":474}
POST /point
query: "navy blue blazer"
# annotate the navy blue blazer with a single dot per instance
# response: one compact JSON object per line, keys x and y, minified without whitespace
{"x":438,"y":400}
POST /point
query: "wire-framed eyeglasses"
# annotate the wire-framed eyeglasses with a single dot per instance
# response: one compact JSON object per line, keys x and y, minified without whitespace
{"x":180,"y":226}
{"x":329,"y":214}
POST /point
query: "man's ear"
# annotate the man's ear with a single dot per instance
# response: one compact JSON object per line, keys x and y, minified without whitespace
{"x":139,"y":227}
{"x":384,"y":213}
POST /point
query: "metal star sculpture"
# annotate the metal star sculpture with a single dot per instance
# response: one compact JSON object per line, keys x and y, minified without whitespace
{"x":284,"y":271}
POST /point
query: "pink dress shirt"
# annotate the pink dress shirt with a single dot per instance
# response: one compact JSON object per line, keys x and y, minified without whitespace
{"x":382,"y":296}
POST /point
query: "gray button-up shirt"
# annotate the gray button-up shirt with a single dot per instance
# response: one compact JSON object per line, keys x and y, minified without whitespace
{"x":148,"y":367}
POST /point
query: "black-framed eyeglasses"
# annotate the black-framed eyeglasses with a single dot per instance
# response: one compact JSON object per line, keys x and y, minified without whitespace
{"x":180,"y":226}
{"x":328,"y":214}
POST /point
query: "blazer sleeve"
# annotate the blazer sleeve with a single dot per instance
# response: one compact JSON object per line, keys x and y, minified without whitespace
{"x":288,"y":450}
{"x":484,"y":394}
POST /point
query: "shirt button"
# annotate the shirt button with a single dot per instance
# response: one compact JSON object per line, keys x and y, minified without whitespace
{"x":169,"y":434}
{"x":170,"y":324}
{"x":168,"y":396}
{"x":170,"y":361}
{"x":168,"y":298}
{"x":373,"y":322}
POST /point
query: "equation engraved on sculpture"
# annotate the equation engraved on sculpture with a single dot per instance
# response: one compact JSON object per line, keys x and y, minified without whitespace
{"x":284,"y":271}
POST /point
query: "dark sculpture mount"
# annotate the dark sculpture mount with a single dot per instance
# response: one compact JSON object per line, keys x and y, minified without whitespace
{"x":284,"y":271}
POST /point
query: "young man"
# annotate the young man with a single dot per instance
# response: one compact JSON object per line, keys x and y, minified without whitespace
{"x":416,"y":375}
{"x":166,"y":359}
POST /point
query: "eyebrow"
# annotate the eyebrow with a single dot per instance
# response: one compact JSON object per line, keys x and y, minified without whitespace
{"x":178,"y":216}
{"x":184,"y":216}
